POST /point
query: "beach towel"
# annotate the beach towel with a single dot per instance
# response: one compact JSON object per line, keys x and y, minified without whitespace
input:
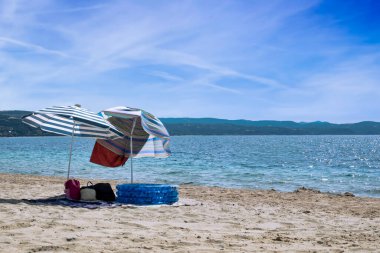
{"x":63,"y":201}
{"x":105,"y":157}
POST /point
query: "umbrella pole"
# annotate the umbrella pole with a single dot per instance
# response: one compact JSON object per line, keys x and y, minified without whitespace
{"x":131,"y":148}
{"x":71,"y":151}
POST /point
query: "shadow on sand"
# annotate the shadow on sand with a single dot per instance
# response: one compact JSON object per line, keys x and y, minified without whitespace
{"x":60,"y":201}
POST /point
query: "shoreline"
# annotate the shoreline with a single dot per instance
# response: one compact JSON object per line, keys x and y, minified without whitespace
{"x":222,"y":219}
{"x":191,"y":184}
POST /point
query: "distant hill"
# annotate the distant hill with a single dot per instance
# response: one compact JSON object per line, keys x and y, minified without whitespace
{"x":212,"y":126}
{"x":15,"y":114}
{"x":11,"y":125}
{"x":241,"y":122}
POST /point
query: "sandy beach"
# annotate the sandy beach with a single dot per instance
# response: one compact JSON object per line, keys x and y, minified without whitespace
{"x":213,"y":220}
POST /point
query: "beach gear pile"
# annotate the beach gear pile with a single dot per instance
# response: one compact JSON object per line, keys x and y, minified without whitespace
{"x":122,"y":133}
{"x":136,"y":194}
{"x":91,"y":192}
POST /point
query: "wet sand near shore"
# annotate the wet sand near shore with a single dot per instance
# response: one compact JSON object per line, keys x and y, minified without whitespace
{"x":217,"y":219}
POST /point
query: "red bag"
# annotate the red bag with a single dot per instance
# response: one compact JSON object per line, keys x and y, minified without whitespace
{"x":72,"y":189}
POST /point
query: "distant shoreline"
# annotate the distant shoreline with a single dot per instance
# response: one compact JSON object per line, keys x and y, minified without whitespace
{"x":226,"y":135}
{"x":173,"y":135}
{"x":11,"y":125}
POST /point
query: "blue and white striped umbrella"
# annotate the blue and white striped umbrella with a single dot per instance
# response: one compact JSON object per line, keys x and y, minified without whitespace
{"x":73,"y":121}
{"x":144,"y":134}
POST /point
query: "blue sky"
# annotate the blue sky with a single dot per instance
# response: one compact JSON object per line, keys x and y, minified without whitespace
{"x":282,"y":60}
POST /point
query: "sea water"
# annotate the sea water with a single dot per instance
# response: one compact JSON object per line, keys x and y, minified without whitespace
{"x":328,"y":163}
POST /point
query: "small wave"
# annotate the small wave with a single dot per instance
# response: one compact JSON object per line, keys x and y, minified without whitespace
{"x":173,"y":173}
{"x":372,"y":191}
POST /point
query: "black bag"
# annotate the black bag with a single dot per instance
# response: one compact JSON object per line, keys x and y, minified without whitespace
{"x":104,"y":192}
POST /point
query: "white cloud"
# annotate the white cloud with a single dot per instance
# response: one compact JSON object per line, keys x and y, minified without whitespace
{"x":166,"y":76}
{"x":33,"y":47}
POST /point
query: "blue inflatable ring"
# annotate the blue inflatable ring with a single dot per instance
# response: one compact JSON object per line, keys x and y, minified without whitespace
{"x":147,"y":194}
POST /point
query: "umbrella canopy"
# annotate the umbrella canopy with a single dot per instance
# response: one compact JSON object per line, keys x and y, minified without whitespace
{"x":144,"y":136}
{"x":71,"y":120}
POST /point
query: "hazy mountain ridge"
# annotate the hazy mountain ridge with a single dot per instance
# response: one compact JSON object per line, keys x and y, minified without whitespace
{"x":11,"y":125}
{"x":270,"y":126}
